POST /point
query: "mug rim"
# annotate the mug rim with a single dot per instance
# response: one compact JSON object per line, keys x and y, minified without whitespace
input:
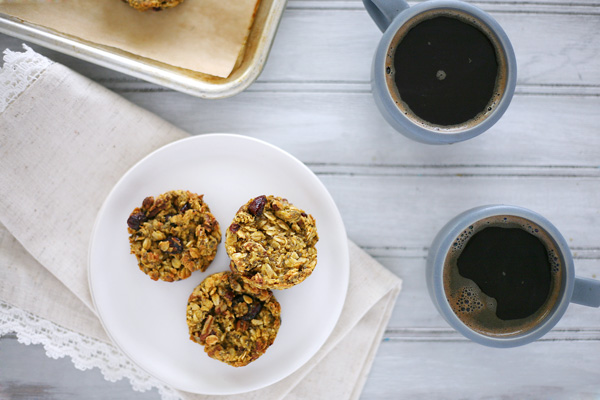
{"x":441,"y":246}
{"x":386,"y":102}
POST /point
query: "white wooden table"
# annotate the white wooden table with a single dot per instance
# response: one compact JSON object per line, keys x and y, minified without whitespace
{"x":313,"y":100}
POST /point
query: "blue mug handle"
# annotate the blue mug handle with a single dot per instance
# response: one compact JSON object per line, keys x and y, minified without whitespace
{"x":586,"y":292}
{"x":383,"y":12}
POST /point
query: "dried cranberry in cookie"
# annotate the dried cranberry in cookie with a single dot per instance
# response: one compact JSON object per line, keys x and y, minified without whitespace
{"x":173,"y":235}
{"x":271,"y":243}
{"x":235,"y":322}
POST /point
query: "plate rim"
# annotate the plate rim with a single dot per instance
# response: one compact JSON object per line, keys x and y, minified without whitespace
{"x":344,"y":258}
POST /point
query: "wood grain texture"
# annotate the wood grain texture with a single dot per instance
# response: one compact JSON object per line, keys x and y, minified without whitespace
{"x":313,"y":100}
{"x":457,"y":369}
{"x":27,"y":373}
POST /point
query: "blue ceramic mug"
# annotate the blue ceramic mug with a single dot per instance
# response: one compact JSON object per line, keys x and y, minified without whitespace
{"x":443,"y":72}
{"x":467,"y":302}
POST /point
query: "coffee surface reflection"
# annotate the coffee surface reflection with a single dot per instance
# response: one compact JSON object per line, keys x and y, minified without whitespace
{"x":446,"y":70}
{"x":502,"y":275}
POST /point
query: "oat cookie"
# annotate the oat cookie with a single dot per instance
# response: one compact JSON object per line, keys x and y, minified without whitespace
{"x":234,"y":321}
{"x":173,"y":235}
{"x":156,"y":5}
{"x":271,"y":243}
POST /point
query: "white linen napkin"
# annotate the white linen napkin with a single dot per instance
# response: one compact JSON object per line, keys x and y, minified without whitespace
{"x":64,"y":143}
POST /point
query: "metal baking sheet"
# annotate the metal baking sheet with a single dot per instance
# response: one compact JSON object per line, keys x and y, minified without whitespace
{"x":194,"y":83}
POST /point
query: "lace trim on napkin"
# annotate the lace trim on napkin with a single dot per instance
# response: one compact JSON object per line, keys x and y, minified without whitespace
{"x":19,"y":72}
{"x":85,"y":352}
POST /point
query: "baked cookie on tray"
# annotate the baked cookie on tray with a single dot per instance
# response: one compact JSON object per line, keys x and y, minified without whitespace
{"x":271,"y":243}
{"x":173,"y":235}
{"x":234,"y":321}
{"x":156,"y":5}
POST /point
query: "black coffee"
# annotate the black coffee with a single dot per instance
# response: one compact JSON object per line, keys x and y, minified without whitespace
{"x":510,"y":265}
{"x":503,"y":275}
{"x":446,"y":70}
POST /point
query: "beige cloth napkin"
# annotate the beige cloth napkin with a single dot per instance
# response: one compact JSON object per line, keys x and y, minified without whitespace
{"x":64,"y":143}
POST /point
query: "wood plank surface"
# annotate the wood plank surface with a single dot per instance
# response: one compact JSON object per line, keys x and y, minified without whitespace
{"x":313,"y":100}
{"x":27,"y":373}
{"x":536,"y":371}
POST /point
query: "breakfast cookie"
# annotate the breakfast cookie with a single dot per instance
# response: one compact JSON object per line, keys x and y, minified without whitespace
{"x":173,"y":235}
{"x":271,"y":243}
{"x":234,"y":321}
{"x":156,"y":5}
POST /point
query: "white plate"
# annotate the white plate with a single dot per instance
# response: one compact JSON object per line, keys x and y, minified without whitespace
{"x":146,"y":319}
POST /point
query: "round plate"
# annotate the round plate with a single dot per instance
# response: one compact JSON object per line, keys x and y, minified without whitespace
{"x":146,"y":319}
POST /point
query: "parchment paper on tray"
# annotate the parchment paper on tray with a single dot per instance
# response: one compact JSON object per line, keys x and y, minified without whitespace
{"x":206,"y":36}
